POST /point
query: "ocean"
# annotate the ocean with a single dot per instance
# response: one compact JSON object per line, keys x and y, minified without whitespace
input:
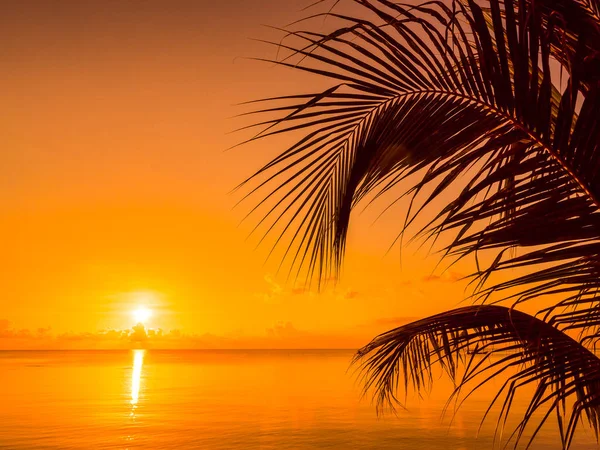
{"x":226,"y":399}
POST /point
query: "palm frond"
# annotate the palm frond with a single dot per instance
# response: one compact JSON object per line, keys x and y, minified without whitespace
{"x":490,"y":341}
{"x":402,"y":107}
{"x":466,"y":97}
{"x":574,"y":18}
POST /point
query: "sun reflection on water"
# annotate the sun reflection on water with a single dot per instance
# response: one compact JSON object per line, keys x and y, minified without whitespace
{"x":136,"y":378}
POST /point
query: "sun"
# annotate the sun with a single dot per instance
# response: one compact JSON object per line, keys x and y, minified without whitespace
{"x":142,"y":314}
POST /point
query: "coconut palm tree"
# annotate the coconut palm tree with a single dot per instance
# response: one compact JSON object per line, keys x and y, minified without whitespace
{"x":494,"y":107}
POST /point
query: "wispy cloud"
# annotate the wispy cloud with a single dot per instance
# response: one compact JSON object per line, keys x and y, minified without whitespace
{"x":274,"y":292}
{"x":445,"y":277}
{"x":394,"y":321}
{"x":349,"y":294}
{"x":285,"y":330}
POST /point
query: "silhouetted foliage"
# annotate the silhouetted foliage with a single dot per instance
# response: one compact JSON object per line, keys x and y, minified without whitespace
{"x":494,"y":104}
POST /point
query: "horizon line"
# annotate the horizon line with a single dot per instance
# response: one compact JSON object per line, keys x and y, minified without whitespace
{"x":171,"y":349}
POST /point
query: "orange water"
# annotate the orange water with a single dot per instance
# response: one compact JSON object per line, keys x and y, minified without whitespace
{"x":221,"y":400}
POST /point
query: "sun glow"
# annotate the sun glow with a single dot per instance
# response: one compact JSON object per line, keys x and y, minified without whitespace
{"x":142,"y":314}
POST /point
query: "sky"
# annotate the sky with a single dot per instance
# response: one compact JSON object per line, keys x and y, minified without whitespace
{"x":116,"y":187}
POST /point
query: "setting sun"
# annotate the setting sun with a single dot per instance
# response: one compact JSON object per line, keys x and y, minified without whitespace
{"x":142,"y":314}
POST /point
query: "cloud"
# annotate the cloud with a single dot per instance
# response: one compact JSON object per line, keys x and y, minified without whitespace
{"x":432,"y":277}
{"x":139,"y":333}
{"x":445,"y":277}
{"x":103,"y":335}
{"x":351,"y":294}
{"x":6,"y":332}
{"x":274,"y":287}
{"x":394,"y":321}
{"x":284,"y":330}
{"x":44,"y":337}
{"x":274,"y":290}
{"x":300,"y":287}
{"x":280,"y":335}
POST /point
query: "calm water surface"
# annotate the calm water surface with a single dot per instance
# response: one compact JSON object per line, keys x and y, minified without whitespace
{"x":221,"y":400}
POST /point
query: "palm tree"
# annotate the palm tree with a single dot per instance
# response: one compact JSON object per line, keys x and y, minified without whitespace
{"x":494,"y":104}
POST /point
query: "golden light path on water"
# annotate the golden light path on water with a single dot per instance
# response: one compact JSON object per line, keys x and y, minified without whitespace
{"x":136,"y":378}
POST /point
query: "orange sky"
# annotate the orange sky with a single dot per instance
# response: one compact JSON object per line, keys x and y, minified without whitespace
{"x":114,"y":183}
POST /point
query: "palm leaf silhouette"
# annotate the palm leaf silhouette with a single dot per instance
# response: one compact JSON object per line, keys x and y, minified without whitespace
{"x":495,"y":105}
